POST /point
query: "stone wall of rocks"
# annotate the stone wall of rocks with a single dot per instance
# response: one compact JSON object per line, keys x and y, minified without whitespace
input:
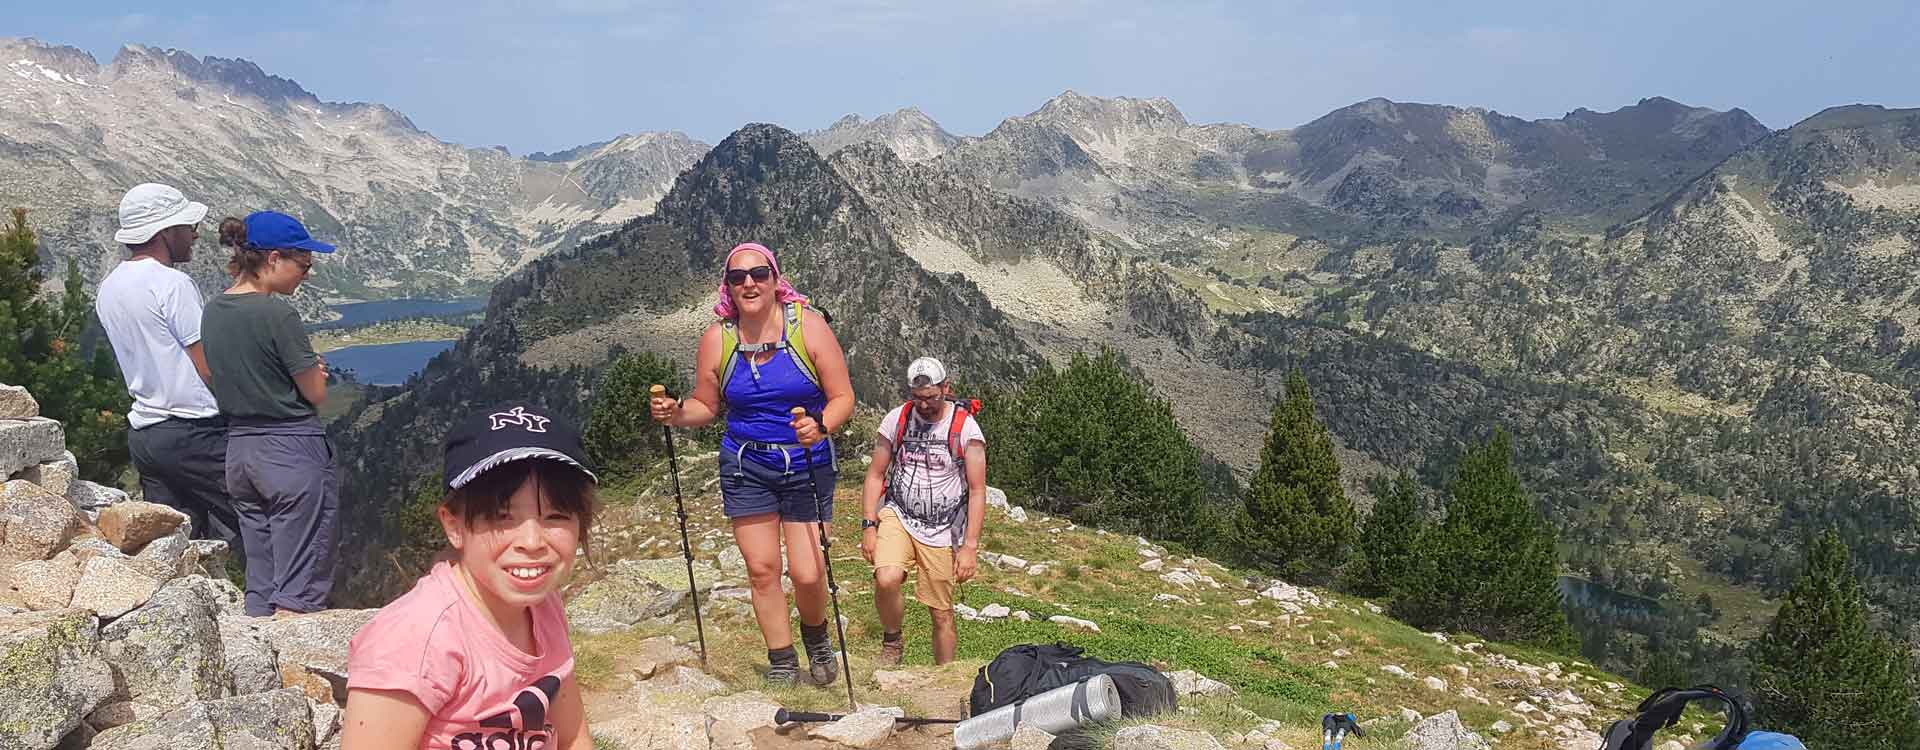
{"x":118,"y":631}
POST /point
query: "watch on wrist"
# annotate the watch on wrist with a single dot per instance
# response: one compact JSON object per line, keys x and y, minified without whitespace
{"x":868,"y":523}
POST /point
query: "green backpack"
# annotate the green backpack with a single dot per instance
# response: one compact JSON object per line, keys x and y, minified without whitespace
{"x":794,"y":342}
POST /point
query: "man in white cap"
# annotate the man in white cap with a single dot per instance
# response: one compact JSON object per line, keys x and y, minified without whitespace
{"x":926,"y":496}
{"x":151,"y":312}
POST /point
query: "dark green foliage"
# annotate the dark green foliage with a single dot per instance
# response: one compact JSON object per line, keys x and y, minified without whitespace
{"x":1298,"y":521}
{"x":1823,"y":673}
{"x":1490,"y":568}
{"x":56,"y":351}
{"x":621,"y":437}
{"x":1094,"y":443}
{"x":1384,"y":553}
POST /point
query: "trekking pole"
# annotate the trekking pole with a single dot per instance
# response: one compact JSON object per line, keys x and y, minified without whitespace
{"x":826,"y":554}
{"x":782,"y":716}
{"x":686,"y":547}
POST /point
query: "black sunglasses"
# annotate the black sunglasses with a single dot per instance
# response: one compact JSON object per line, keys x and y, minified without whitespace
{"x":738,"y":276}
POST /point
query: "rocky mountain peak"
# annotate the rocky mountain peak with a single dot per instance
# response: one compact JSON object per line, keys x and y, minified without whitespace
{"x":909,"y":132}
{"x":1072,"y":108}
{"x":22,"y":56}
{"x":233,"y":74}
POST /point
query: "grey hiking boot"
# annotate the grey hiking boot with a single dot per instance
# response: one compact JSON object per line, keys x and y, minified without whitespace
{"x":822,"y":665}
{"x":783,"y":667}
{"x":892,"y":651}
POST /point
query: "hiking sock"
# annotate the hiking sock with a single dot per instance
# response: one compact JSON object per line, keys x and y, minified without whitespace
{"x":893,"y":637}
{"x":820,"y":660}
{"x":783,"y":665}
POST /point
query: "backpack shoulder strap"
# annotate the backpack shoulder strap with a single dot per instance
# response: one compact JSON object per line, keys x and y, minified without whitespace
{"x":729,"y":353}
{"x":900,"y":430}
{"x":796,"y":344}
{"x":954,"y":446}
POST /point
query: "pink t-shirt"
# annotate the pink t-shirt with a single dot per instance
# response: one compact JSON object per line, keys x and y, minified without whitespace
{"x":925,"y":485}
{"x":481,"y":690}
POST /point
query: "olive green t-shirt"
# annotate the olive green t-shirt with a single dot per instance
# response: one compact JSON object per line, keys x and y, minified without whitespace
{"x":255,"y":344}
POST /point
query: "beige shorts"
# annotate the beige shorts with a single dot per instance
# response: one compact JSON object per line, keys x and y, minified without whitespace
{"x":934,"y":582}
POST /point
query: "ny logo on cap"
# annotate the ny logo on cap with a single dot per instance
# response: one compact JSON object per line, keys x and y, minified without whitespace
{"x":518,"y":416}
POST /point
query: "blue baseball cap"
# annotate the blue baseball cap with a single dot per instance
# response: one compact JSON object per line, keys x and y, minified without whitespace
{"x":272,"y":230}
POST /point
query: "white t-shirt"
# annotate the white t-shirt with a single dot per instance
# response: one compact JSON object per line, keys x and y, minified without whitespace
{"x":152,"y":313}
{"x":925,"y":486}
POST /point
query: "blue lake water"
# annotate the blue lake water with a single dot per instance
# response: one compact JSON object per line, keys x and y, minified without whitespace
{"x":366,"y":313}
{"x":385,"y":364}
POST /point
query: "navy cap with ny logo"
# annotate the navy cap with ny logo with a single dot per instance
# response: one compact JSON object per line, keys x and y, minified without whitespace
{"x":510,"y":432}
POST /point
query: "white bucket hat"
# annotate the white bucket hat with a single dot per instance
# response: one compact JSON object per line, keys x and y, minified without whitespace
{"x":151,"y":207}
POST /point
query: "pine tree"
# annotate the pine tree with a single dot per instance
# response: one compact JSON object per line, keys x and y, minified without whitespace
{"x":1822,"y":673}
{"x":1093,"y":442}
{"x":41,"y":348}
{"x":1490,"y":568}
{"x":1387,"y":538}
{"x":621,"y":437}
{"x":1298,"y":519}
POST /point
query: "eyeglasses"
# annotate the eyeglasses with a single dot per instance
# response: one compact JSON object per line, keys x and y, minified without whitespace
{"x":738,"y":276}
{"x":306,"y":268}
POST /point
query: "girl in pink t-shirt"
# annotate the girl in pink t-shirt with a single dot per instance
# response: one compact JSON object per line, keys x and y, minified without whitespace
{"x":476,"y":656}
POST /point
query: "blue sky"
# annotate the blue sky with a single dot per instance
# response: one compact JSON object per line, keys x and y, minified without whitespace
{"x":556,"y":73}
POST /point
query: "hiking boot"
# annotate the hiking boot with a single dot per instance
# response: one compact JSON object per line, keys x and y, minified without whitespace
{"x":783,"y":668}
{"x":821,"y":664}
{"x":891,"y":651}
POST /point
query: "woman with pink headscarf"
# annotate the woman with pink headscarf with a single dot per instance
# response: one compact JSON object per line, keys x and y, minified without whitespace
{"x":767,"y":485}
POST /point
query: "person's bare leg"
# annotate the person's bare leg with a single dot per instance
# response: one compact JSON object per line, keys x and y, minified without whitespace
{"x":945,"y":637}
{"x":887,"y":598}
{"x":804,"y":568}
{"x":758,"y":537}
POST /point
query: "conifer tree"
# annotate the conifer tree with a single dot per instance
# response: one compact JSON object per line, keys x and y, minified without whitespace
{"x":1822,"y":673}
{"x":621,"y":436}
{"x":1385,"y":550}
{"x":1490,"y":568}
{"x":1298,"y":521}
{"x":46,"y":346}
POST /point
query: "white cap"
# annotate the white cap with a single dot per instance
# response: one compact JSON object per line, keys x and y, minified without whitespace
{"x":151,"y":207}
{"x":926,"y":367}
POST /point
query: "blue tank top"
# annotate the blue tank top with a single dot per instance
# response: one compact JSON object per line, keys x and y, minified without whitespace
{"x":760,"y":408}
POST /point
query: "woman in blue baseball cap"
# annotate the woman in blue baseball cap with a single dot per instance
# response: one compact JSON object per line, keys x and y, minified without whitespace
{"x":269,"y":383}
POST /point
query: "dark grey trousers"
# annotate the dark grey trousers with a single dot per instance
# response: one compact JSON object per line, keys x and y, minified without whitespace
{"x":286,"y":488}
{"x":182,"y":464}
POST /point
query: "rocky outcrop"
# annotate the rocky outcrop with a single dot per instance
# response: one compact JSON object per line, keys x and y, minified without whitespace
{"x":126,"y":643}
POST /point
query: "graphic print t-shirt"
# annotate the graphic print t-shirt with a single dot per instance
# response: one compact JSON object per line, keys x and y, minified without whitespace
{"x":481,"y":690}
{"x":925,"y":485}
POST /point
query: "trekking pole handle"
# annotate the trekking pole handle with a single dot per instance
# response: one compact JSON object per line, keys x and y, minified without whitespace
{"x":783,"y":716}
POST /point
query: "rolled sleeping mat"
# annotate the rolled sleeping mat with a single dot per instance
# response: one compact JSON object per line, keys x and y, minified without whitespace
{"x":1055,"y":711}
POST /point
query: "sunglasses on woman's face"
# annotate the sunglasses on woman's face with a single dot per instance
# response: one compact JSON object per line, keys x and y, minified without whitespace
{"x":738,"y":276}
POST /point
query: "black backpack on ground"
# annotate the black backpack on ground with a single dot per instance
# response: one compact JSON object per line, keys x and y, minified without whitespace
{"x":1027,"y":670}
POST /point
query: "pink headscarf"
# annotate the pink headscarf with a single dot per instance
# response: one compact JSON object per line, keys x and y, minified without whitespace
{"x":783,"y":292}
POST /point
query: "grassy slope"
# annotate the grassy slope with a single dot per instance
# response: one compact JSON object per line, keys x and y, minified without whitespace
{"x":1276,"y":669}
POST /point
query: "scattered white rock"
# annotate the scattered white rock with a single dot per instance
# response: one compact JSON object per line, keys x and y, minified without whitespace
{"x":1022,"y":616}
{"x":1435,"y":683}
{"x":865,"y":730}
{"x":1180,"y":578}
{"x":1502,"y":727}
{"x":1397,"y":671}
{"x":1009,"y":562}
{"x":1444,"y":732}
{"x":1153,"y":565}
{"x":1374,"y":608}
{"x":1410,"y":716}
{"x":995,"y":611}
{"x":1037,"y":569}
{"x":1017,"y":514}
{"x":1188,"y":683}
{"x":1156,"y":737}
{"x":1029,"y":737}
{"x":1074,"y":622}
{"x":1169,"y":598}
{"x":965,"y":612}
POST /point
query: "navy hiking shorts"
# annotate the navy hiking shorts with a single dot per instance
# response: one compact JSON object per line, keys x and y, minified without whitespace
{"x":751,"y":488}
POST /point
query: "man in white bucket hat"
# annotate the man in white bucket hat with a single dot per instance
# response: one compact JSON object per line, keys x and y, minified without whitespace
{"x":151,"y":312}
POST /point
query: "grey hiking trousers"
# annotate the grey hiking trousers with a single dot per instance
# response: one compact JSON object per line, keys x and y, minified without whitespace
{"x":286,"y":489}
